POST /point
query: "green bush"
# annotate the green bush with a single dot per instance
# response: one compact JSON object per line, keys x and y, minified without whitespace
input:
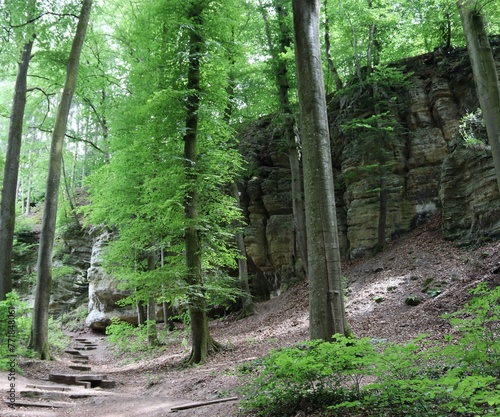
{"x":310,"y":375}
{"x":74,"y":319}
{"x":15,"y":327}
{"x":58,"y":340}
{"x":125,"y":337}
{"x":456,"y":376}
{"x":129,"y":339}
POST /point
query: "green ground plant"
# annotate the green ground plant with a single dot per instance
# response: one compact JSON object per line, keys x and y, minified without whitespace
{"x":15,"y":325}
{"x":458,"y":375}
{"x":15,"y":329}
{"x":128,"y":340}
{"x":58,"y":339}
{"x":74,"y":319}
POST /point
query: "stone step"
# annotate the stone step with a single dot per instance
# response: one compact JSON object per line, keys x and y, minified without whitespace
{"x":48,"y":387}
{"x":76,"y":354}
{"x":80,"y":361}
{"x":80,"y":367}
{"x":69,"y":380}
{"x":45,"y":395}
{"x":87,"y":347}
{"x":94,"y":380}
{"x":50,"y":404}
{"x":84,"y":342}
{"x":54,"y":395}
{"x":108,"y":383}
{"x":73,"y":352}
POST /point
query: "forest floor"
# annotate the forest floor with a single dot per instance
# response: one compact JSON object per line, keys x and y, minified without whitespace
{"x":419,"y":264}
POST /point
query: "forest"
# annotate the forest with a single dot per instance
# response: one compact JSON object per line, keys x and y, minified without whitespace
{"x":215,"y":154}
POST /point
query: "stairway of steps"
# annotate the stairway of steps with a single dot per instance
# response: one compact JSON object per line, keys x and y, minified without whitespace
{"x":76,"y":383}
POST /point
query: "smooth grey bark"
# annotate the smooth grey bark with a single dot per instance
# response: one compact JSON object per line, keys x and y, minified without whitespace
{"x":326,"y":299}
{"x":11,"y":172}
{"x":485,"y":74}
{"x":246,"y":302}
{"x":141,"y":313}
{"x":39,"y":331}
{"x":202,"y":342}
{"x":168,"y":312}
{"x":247,"y":306}
{"x":27,"y":208}
{"x":151,"y":310}
{"x":152,"y":332}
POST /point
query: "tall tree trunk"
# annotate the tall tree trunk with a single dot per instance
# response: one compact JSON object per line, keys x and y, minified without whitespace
{"x":283,"y":86}
{"x":383,"y":207}
{"x":202,"y":342}
{"x":27,"y":208}
{"x":247,"y":307}
{"x":326,"y":299}
{"x":246,"y":302}
{"x":373,"y":52}
{"x":39,"y":331}
{"x":68,"y":194}
{"x":11,"y":172}
{"x":151,"y":322}
{"x":485,"y":74}
{"x":168,"y":312}
{"x":152,"y":332}
{"x":328,"y":49}
{"x":382,"y":171}
{"x":141,"y":313}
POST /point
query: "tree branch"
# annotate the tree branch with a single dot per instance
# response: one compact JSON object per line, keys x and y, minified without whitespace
{"x":33,"y":20}
{"x":79,"y":139}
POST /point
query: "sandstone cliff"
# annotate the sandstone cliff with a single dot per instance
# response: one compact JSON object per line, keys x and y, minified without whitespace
{"x":418,"y":164}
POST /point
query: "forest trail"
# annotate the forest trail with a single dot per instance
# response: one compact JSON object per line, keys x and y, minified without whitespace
{"x":419,"y":265}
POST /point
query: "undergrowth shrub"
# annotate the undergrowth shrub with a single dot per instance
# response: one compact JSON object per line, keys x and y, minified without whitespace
{"x":126,"y":337}
{"x":128,"y":340}
{"x":58,"y":339}
{"x":75,"y":319}
{"x":456,"y":376}
{"x":15,"y":327}
{"x":308,"y":376}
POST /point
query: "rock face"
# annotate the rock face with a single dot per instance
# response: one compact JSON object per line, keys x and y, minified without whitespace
{"x":469,"y":196}
{"x":416,"y":168}
{"x":103,"y":289}
{"x":70,"y":284}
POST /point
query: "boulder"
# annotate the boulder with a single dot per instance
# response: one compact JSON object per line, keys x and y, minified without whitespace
{"x":103,"y":290}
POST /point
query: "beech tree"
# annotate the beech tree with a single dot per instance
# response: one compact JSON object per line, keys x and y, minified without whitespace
{"x":485,"y":73}
{"x":171,"y":162}
{"x":9,"y":190}
{"x":326,"y":298}
{"x":21,"y":19}
{"x":39,"y":331}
